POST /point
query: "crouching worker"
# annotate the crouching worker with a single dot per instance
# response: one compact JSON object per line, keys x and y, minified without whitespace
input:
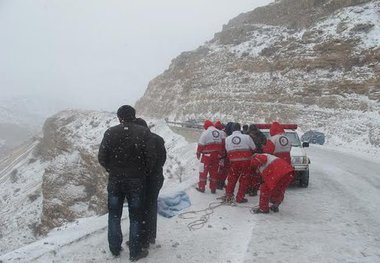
{"x":276,"y":175}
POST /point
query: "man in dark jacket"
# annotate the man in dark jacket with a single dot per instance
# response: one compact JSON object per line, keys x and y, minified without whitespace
{"x":122,"y":153}
{"x":245,"y":129}
{"x":156,"y":154}
{"x":228,"y":128}
{"x":260,"y":140}
{"x":258,"y":137}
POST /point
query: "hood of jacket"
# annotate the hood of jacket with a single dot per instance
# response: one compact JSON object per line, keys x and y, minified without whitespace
{"x":207,"y":124}
{"x":218,"y":125}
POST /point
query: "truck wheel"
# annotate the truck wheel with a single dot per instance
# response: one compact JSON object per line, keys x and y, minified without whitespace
{"x":304,"y":180}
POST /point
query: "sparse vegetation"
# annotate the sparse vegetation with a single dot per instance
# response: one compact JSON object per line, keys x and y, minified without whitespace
{"x":32,"y":160}
{"x":363,"y":27}
{"x":33,"y":197}
{"x":14,"y":177}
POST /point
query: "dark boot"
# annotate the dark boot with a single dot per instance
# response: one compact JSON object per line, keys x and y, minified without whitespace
{"x":116,"y":252}
{"x":275,"y":208}
{"x":252,"y":192}
{"x":241,"y":201}
{"x":220,"y":185}
{"x":142,"y":254}
{"x":143,"y":245}
{"x":227,"y":199}
{"x":200,"y":190}
{"x":259,"y":211}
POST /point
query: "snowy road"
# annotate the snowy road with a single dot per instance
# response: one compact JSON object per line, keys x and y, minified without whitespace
{"x":334,"y":220}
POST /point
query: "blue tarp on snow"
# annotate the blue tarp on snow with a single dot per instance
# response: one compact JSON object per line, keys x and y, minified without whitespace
{"x":169,"y":205}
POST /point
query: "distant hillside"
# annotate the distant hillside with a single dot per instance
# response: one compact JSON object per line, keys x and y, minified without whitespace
{"x":15,"y":128}
{"x":312,"y":62}
{"x":22,"y":117}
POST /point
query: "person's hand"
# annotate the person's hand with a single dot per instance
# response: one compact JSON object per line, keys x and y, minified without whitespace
{"x":198,"y":155}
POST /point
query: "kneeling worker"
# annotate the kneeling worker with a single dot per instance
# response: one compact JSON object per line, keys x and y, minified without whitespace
{"x":276,"y":175}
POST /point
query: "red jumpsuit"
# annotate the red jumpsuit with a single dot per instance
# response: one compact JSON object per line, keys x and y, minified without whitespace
{"x":239,"y":149}
{"x":278,"y":144}
{"x":276,"y":174}
{"x":223,"y":162}
{"x":209,"y":151}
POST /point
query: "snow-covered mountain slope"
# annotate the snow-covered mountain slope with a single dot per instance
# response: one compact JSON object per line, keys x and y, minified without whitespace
{"x":21,"y":199}
{"x":334,"y":220}
{"x":315,"y":63}
{"x":56,"y":178}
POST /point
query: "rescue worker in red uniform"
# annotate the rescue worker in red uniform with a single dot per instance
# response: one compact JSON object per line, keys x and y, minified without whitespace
{"x":209,"y":151}
{"x":223,"y":162}
{"x":278,"y":144}
{"x":276,"y":175}
{"x":240,"y":148}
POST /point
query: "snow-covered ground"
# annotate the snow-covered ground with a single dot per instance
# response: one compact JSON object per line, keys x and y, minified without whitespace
{"x":334,"y":220}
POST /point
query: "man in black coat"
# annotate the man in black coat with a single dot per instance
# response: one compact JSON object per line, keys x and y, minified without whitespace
{"x":260,"y":140}
{"x":245,"y":129}
{"x":122,"y":153}
{"x":156,"y":154}
{"x":258,"y":137}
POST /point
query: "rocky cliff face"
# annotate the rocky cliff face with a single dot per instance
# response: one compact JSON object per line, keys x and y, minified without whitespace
{"x":73,"y":183}
{"x":53,"y":179}
{"x":315,"y":63}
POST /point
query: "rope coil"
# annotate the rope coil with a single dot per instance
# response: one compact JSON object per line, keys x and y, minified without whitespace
{"x":200,"y":222}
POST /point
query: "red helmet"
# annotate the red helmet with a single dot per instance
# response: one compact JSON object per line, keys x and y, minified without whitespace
{"x":219,"y":125}
{"x":207,"y":124}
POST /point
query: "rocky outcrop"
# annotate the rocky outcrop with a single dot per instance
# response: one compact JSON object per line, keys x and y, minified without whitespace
{"x":315,"y":63}
{"x":74,"y":184}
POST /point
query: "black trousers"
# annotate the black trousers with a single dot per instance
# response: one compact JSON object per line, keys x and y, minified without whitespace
{"x":153,"y":185}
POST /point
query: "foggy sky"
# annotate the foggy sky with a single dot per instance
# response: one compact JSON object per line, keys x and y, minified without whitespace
{"x":100,"y":54}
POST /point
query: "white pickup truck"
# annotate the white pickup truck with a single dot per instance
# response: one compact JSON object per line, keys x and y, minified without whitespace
{"x":300,"y":160}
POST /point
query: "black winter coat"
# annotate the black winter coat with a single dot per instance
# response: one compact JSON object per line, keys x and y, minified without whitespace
{"x":229,"y":128}
{"x":122,"y":151}
{"x":258,"y":137}
{"x":156,"y":153}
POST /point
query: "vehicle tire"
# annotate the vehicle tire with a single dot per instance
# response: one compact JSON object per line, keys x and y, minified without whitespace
{"x":304,"y":180}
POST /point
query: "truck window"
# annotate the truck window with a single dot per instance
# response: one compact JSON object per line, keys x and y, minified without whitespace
{"x":292,"y":136}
